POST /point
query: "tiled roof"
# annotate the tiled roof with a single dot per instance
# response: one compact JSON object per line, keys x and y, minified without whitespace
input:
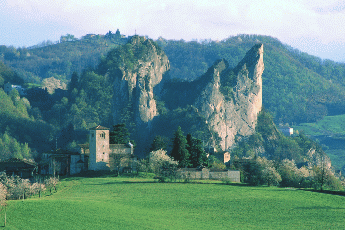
{"x":16,"y":160}
{"x":85,"y":146}
{"x":99,"y":128}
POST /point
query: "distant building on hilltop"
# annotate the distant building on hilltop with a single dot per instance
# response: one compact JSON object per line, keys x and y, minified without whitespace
{"x":286,"y":130}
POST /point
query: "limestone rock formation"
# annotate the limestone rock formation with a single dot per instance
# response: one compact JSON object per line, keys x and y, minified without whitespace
{"x":234,"y":115}
{"x":133,"y":87}
{"x":228,"y":100}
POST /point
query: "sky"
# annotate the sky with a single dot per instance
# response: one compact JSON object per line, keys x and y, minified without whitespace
{"x":312,"y":26}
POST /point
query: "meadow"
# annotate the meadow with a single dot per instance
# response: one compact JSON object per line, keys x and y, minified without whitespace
{"x":141,"y":203}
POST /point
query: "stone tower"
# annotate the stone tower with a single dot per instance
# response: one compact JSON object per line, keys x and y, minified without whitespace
{"x":99,"y":148}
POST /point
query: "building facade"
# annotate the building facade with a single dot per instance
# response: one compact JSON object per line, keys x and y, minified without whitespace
{"x":106,"y":156}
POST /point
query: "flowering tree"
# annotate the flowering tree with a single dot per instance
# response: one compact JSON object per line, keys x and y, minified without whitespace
{"x":51,"y":183}
{"x":159,"y":161}
{"x":291,"y":175}
{"x":3,"y":198}
{"x":268,"y":172}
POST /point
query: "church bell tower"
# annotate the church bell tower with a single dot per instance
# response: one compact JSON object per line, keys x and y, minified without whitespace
{"x":99,"y":148}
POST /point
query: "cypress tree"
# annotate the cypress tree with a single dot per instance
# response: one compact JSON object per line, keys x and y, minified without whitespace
{"x":197,"y":154}
{"x":179,"y":151}
{"x":119,"y":135}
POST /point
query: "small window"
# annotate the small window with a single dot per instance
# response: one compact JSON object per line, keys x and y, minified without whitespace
{"x":103,"y":153}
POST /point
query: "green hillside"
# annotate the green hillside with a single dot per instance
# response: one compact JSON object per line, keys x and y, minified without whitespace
{"x":329,"y":125}
{"x":330,"y":132}
{"x":297,"y":87}
{"x":59,"y":60}
{"x":134,"y":203}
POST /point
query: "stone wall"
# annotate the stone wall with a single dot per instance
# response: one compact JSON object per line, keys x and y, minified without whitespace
{"x":202,"y":174}
{"x":120,"y":149}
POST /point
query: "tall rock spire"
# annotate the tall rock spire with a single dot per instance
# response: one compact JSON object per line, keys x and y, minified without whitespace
{"x":235,"y":114}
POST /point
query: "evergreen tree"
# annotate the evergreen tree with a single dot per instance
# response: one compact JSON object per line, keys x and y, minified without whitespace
{"x":67,"y":135}
{"x":119,"y":134}
{"x":158,"y":143}
{"x":197,"y":154}
{"x":179,"y":151}
{"x":74,"y":82}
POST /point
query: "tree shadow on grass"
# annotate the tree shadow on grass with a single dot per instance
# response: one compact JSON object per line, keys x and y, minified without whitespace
{"x":338,"y":193}
{"x":237,"y":184}
{"x":319,"y":208}
{"x":123,"y":182}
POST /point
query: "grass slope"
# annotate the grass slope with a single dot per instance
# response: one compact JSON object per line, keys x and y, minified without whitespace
{"x":329,"y":125}
{"x":130,"y":203}
{"x":330,"y":131}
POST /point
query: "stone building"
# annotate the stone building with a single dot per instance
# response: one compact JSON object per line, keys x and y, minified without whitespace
{"x":96,"y":155}
{"x":106,"y":156}
{"x":62,"y":162}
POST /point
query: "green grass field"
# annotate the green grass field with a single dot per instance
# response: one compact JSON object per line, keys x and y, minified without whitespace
{"x":137,"y":203}
{"x":329,"y":125}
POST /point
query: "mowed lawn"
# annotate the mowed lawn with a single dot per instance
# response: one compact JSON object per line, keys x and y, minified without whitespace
{"x":130,"y":203}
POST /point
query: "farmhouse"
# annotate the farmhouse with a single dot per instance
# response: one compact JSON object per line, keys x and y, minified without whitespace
{"x":20,"y":167}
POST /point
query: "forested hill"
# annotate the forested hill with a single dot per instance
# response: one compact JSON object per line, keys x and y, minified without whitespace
{"x":59,"y":59}
{"x":297,"y":87}
{"x":23,"y":133}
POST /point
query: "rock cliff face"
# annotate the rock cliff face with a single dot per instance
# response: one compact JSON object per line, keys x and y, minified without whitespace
{"x":227,"y":100}
{"x":133,"y":87}
{"x":233,"y":116}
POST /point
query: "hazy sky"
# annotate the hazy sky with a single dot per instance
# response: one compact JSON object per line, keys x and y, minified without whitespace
{"x":313,"y":26}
